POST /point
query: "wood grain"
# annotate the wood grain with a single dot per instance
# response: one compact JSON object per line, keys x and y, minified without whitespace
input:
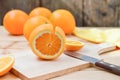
{"x":94,"y":73}
{"x":112,"y":57}
{"x":101,"y":12}
{"x":9,"y":76}
{"x":28,"y":66}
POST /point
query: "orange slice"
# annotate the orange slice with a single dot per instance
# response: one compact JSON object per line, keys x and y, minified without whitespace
{"x":6,"y":63}
{"x":47,"y":42}
{"x":73,"y":45}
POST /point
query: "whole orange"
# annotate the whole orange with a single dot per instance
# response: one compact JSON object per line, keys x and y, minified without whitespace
{"x":32,"y":23}
{"x":64,"y":19}
{"x":14,"y":21}
{"x":40,"y":11}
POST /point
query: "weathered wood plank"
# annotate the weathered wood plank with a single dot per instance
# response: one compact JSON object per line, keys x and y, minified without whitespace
{"x":118,"y":16}
{"x":74,"y":6}
{"x":101,"y":12}
{"x":25,"y":5}
{"x":86,"y":12}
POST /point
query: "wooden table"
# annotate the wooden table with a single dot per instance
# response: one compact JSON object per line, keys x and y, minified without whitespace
{"x":13,"y":44}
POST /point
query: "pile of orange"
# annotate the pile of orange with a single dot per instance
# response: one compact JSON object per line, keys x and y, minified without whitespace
{"x":44,"y":30}
{"x":14,"y":20}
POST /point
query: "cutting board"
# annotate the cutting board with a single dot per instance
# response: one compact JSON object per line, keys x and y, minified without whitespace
{"x":28,"y":67}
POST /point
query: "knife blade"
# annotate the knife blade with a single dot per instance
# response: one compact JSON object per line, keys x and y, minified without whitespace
{"x":97,"y":62}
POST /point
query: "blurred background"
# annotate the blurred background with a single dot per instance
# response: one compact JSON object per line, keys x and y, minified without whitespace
{"x":93,"y":13}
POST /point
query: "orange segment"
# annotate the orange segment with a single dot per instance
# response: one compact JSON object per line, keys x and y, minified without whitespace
{"x":45,"y":44}
{"x":73,"y":45}
{"x":6,"y":63}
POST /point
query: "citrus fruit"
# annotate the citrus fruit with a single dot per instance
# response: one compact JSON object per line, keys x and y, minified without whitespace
{"x":6,"y":63}
{"x":14,"y":21}
{"x":40,"y":11}
{"x":93,"y":35}
{"x":73,"y":45}
{"x":47,"y":42}
{"x":64,"y":19}
{"x":32,"y":23}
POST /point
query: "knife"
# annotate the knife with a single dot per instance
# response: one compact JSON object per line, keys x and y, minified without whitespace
{"x":97,"y":62}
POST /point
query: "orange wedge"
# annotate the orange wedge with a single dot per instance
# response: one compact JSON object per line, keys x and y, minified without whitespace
{"x":73,"y":45}
{"x":6,"y":63}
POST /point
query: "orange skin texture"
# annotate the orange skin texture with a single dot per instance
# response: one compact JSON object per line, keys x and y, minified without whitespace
{"x":32,"y":23}
{"x":40,"y":11}
{"x":63,"y":19}
{"x":42,"y":28}
{"x":14,"y":21}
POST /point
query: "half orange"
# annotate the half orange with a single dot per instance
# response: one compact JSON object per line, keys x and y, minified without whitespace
{"x":47,"y":42}
{"x":73,"y":45}
{"x":6,"y":63}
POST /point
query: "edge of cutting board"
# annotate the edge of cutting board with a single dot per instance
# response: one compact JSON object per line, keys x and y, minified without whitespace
{"x":52,"y":75}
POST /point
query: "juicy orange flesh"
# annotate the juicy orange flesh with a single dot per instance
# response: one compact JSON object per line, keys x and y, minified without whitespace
{"x":4,"y":62}
{"x":74,"y":43}
{"x":48,"y":44}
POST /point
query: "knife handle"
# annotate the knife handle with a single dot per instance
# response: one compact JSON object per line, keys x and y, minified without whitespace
{"x":110,"y":67}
